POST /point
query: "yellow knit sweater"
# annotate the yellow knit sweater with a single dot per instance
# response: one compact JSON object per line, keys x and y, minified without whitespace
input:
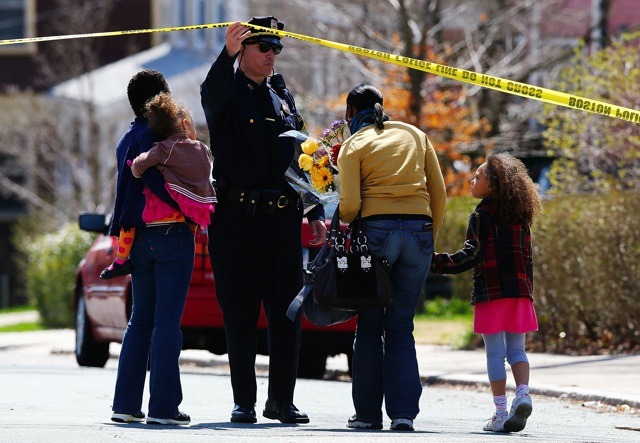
{"x":393,"y":171}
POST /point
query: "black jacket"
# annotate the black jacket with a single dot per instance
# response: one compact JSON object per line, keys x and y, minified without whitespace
{"x":245,"y":120}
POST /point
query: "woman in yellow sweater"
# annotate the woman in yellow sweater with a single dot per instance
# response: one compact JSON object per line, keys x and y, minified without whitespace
{"x":389,"y":174}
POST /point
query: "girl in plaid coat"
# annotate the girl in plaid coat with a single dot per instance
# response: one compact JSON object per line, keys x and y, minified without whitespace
{"x":498,"y":248}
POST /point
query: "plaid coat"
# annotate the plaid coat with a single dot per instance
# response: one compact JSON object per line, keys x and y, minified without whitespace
{"x":501,"y":257}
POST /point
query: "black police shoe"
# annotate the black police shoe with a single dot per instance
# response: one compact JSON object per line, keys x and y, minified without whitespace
{"x":243,"y":414}
{"x":285,"y":412}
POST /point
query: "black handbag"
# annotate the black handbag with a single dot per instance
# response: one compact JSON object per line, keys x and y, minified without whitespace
{"x":349,"y":277}
{"x":317,"y":314}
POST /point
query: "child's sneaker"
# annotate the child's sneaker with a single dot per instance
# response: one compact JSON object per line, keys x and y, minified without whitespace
{"x":520,"y":410}
{"x":355,"y":423}
{"x":116,"y":270}
{"x":121,"y":417}
{"x":495,"y":423}
{"x":402,"y":424}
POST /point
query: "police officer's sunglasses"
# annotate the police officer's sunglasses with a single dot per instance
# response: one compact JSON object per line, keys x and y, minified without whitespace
{"x":267,"y":46}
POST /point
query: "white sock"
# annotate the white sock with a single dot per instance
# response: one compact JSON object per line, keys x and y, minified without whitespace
{"x":522,"y":390}
{"x":501,"y":404}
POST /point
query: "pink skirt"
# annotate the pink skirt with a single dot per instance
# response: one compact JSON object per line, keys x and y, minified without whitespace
{"x":505,"y":315}
{"x":156,"y":209}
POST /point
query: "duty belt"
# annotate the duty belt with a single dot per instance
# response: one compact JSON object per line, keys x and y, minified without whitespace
{"x":259,"y":202}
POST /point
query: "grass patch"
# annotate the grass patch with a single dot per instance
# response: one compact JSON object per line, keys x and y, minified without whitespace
{"x":445,"y":322}
{"x":22,"y":327}
{"x":14,"y":309}
{"x":453,"y":332}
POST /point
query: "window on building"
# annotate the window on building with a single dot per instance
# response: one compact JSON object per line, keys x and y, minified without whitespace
{"x":197,"y":12}
{"x":16,"y":21}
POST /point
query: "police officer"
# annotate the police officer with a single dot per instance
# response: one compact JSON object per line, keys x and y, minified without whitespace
{"x":255,"y":237}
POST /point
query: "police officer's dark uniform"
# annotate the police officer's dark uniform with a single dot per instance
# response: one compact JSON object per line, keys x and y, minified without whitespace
{"x":255,"y":238}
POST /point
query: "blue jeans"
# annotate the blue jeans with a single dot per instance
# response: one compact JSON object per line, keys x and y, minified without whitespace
{"x":162,"y":257}
{"x":384,"y":353}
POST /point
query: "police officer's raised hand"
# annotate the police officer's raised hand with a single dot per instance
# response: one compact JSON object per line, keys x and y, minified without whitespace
{"x":318,"y":232}
{"x":236,"y":33}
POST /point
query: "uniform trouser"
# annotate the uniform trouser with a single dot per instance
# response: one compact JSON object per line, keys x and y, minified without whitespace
{"x":258,"y":260}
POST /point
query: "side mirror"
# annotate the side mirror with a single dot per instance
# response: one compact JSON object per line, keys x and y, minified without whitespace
{"x":93,"y":223}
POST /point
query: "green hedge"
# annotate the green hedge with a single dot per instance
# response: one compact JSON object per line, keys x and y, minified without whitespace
{"x":451,"y":238}
{"x":50,"y":272}
{"x":587,"y":274}
{"x":587,"y":271}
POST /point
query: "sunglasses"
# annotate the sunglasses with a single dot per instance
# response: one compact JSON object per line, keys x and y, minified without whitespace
{"x":267,"y":46}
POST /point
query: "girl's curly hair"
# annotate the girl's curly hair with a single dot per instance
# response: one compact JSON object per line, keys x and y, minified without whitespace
{"x":165,"y":115}
{"x":513,"y":192}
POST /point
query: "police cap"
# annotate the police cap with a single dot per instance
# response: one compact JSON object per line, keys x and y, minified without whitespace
{"x":258,"y":35}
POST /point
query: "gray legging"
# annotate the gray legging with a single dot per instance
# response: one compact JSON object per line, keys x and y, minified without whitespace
{"x":500,"y":346}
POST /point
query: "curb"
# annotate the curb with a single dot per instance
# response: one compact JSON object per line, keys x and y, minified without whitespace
{"x":543,"y":391}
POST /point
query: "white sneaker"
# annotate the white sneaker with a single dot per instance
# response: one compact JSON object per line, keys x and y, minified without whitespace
{"x":520,"y":410}
{"x":495,"y":423}
{"x":402,"y":424}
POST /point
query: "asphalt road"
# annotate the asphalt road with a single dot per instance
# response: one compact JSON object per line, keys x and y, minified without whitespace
{"x":46,"y":397}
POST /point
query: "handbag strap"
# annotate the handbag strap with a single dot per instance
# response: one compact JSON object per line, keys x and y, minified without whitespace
{"x":334,"y":227}
{"x":329,"y":242}
{"x":359,"y":244}
{"x":358,"y":237}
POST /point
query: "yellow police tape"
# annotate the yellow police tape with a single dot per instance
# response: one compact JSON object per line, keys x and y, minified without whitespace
{"x":483,"y":80}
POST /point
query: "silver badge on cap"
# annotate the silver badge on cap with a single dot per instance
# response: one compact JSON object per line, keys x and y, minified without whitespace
{"x":274,"y":23}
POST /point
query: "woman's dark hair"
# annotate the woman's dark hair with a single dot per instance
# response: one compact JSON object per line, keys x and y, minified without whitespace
{"x":366,"y":96}
{"x":144,"y":86}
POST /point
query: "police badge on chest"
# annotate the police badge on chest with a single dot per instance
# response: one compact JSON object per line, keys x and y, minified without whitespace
{"x":285,"y":107}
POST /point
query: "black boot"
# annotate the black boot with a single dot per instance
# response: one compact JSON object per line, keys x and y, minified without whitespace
{"x":243,"y":414}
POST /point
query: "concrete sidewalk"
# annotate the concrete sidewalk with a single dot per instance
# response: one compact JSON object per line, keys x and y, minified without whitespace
{"x":612,"y":380}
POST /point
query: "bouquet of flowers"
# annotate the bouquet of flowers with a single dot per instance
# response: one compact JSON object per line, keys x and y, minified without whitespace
{"x":319,"y":157}
{"x":314,"y":176}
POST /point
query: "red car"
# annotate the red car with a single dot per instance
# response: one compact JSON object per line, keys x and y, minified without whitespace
{"x":103,"y":308}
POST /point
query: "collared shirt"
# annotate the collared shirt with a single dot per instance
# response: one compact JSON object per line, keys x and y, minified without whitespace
{"x":501,"y":257}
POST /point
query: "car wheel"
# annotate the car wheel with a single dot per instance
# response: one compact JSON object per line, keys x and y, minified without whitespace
{"x":88,"y":351}
{"x":312,"y":364}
